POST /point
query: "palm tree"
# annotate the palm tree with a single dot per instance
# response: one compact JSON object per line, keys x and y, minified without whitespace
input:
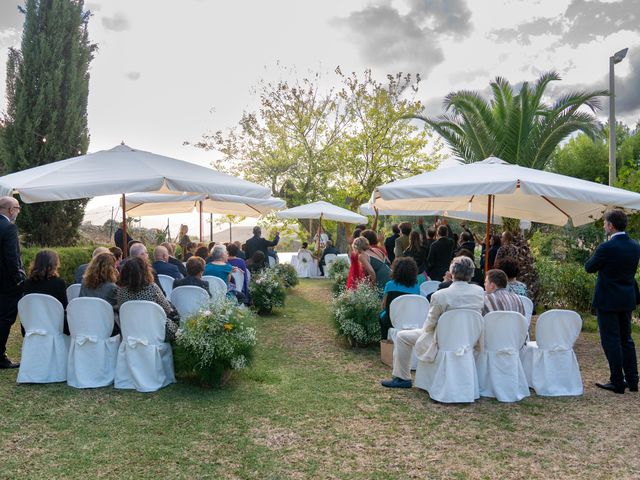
{"x":516,"y":127}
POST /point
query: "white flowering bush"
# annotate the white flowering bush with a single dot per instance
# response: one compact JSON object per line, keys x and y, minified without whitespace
{"x":267,"y":290}
{"x":355,"y":315}
{"x":288,"y":274}
{"x":338,"y":272}
{"x":218,"y":338}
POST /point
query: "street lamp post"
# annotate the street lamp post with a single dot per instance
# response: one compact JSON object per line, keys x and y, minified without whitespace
{"x":616,"y":58}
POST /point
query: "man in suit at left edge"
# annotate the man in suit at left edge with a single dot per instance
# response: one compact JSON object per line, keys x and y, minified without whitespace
{"x":11,"y":274}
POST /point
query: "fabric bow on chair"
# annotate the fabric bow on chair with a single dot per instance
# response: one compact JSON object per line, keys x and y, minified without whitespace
{"x":507,"y":351}
{"x":82,"y":339}
{"x":133,"y":342}
{"x":37,"y":331}
{"x":462,"y":350}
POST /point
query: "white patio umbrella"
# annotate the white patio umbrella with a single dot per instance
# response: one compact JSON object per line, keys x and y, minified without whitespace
{"x":494,"y":185}
{"x":121,"y":170}
{"x":322,"y":210}
{"x":143,"y":204}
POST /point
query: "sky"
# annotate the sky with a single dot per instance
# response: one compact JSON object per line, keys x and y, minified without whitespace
{"x":166,"y":71}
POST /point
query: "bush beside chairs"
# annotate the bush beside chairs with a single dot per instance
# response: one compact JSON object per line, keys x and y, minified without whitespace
{"x":45,"y":348}
{"x":145,"y":360}
{"x":93,"y":351}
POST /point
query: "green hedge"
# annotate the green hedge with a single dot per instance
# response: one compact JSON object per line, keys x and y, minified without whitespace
{"x":565,"y":285}
{"x":70,"y":259}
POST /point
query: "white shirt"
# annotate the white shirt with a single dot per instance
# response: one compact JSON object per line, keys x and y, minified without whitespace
{"x":617,"y":233}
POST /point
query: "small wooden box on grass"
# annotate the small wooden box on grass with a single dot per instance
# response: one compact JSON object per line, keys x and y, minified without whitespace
{"x":386,"y":352}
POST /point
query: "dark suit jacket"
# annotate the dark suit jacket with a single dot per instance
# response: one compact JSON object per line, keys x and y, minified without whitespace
{"x":327,"y":251}
{"x":165,"y":268}
{"x":389,"y":245}
{"x":191,"y":281}
{"x":11,"y":271}
{"x":258,"y":243}
{"x":181,"y":268}
{"x":616,"y":262}
{"x":117,"y":238}
{"x":79,"y":273}
{"x":439,"y":258}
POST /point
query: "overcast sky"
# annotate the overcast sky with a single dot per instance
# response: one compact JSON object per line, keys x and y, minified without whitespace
{"x":167,"y":71}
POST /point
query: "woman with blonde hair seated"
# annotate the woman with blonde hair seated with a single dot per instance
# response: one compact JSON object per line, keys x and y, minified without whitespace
{"x":99,"y":281}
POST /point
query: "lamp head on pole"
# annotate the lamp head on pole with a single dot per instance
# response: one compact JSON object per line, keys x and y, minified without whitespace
{"x":619,"y":56}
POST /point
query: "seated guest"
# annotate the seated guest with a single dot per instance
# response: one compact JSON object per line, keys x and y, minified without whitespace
{"x":195,"y":269}
{"x":404,"y":273}
{"x":240,"y":253}
{"x":99,"y":281}
{"x":328,"y":249}
{"x":510,"y":267}
{"x":44,"y":278}
{"x":497,"y":296}
{"x":191,"y":251}
{"x":161,"y":263}
{"x":171,"y":249}
{"x":466,"y":243}
{"x":202,"y":252}
{"x":235,"y":261}
{"x":417,"y":251}
{"x":117,"y":253}
{"x":139,"y":250}
{"x":136,"y":283}
{"x":460,"y":295}
{"x":218,"y":267}
{"x":448,"y":280}
{"x":77,"y":276}
{"x":256,"y":263}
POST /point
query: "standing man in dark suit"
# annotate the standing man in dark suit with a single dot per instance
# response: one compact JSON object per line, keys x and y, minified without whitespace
{"x":390,"y":242}
{"x":257,"y":243}
{"x":11,"y":274}
{"x":616,"y":296}
{"x":440,"y":255}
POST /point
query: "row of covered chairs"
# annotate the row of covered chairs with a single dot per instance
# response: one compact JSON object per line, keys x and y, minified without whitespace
{"x":90,"y":357}
{"x":506,"y":365}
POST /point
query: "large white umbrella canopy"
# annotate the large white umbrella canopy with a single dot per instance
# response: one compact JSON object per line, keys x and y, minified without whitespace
{"x":121,"y":170}
{"x":514,"y":191}
{"x":143,"y":204}
{"x":323,"y":211}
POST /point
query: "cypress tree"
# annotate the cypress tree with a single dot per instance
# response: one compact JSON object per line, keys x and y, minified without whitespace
{"x":46,"y":118}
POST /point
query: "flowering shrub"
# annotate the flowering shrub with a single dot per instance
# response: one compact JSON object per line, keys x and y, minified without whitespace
{"x":355,"y":314}
{"x":338,"y":272}
{"x":565,"y":285}
{"x":267,"y":290}
{"x":288,"y":274}
{"x":218,"y":338}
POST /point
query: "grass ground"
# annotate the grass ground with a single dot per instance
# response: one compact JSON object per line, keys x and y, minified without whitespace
{"x":312,"y":408}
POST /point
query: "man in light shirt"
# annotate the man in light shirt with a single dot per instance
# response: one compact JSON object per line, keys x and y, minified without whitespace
{"x":498,"y":298}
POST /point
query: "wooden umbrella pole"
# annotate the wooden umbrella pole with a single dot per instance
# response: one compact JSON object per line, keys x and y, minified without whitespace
{"x":200,"y":215}
{"x":125,"y":244}
{"x":486,"y":240}
{"x":319,"y":230}
{"x":375,"y":219}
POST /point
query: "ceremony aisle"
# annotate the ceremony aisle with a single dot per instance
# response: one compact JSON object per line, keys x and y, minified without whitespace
{"x":310,"y":407}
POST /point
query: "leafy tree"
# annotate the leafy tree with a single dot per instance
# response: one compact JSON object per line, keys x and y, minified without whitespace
{"x":518,"y":127}
{"x":583,"y":157}
{"x":379,"y":144}
{"x":46,"y":118}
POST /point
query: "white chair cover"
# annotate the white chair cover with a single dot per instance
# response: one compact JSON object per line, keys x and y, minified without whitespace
{"x":500,"y":371}
{"x":93,"y":351}
{"x":528,"y":308}
{"x":272,"y":261}
{"x":217,"y":287}
{"x":73,"y":291}
{"x":329,"y":258}
{"x":429,"y":287}
{"x":188,"y":299}
{"x":345,"y":258}
{"x":305,"y":265}
{"x":550,"y":363}
{"x":145,"y":360}
{"x":45,"y":348}
{"x":452,"y":376}
{"x":407,"y":312}
{"x":167,"y":283}
{"x":238,"y":277}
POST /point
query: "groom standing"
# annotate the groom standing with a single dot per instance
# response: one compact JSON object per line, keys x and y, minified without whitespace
{"x":616,"y":296}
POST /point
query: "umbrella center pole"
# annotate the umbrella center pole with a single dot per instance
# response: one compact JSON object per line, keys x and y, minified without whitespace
{"x":488,"y":234}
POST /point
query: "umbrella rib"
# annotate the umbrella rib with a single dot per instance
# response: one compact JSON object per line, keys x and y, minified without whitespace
{"x":557,"y":207}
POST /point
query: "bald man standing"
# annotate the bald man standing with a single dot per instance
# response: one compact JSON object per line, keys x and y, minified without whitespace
{"x":11,"y":274}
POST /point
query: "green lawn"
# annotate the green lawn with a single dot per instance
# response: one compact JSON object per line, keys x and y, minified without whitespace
{"x":312,"y":408}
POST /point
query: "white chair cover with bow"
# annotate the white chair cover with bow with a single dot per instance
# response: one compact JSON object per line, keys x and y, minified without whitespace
{"x":272,"y":261}
{"x":73,"y":291}
{"x":428,"y":287}
{"x":407,"y":312}
{"x":45,"y":348}
{"x":166,"y":282}
{"x":550,"y":363}
{"x":238,"y":277}
{"x":452,"y":376}
{"x":500,"y":371}
{"x":145,"y":360}
{"x":528,"y":308}
{"x":188,"y":299}
{"x":217,"y":287}
{"x":93,"y":351}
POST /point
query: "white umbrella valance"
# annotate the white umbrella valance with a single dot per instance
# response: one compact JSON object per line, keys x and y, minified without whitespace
{"x":322,"y":211}
{"x":514,"y":191}
{"x":367,"y":209}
